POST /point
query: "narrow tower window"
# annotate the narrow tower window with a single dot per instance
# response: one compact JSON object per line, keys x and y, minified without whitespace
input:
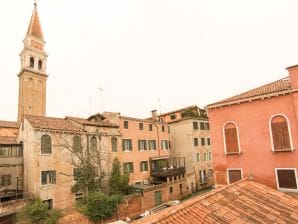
{"x":31,"y":62}
{"x":39,"y":65}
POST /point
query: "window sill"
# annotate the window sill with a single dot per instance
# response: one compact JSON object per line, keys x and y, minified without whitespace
{"x":127,"y":151}
{"x":283,"y":150}
{"x":50,"y":154}
{"x":288,"y":190}
{"x":233,"y":153}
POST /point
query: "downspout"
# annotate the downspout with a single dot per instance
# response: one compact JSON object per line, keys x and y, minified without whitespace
{"x":158,"y":140}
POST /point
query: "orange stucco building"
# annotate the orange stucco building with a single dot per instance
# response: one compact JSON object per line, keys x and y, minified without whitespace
{"x":255,"y":134}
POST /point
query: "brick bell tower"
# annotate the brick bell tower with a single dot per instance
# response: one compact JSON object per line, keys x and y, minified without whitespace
{"x":33,"y":77}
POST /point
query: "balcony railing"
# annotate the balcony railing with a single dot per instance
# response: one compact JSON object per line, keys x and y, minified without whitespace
{"x":168,"y":172}
{"x":167,"y":167}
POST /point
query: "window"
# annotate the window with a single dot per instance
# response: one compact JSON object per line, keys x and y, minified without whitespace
{"x":93,"y":143}
{"x":180,"y":186}
{"x":203,"y":176}
{"x":46,"y":144}
{"x":198,"y":157}
{"x":210,"y":173}
{"x":150,"y":127}
{"x":286,"y":179}
{"x":234,"y":175}
{"x":5,"y":180}
{"x":207,"y":127}
{"x":208,"y":141}
{"x":195,"y":125}
{"x":5,"y":151}
{"x":77,"y":174}
{"x":173,"y":116}
{"x":163,"y":128}
{"x":144,"y":166}
{"x":39,"y":65}
{"x":205,"y":157}
{"x":164,"y":144}
{"x":209,"y":156}
{"x":126,"y":144}
{"x":48,"y":177}
{"x":114,"y":144}
{"x":169,"y":129}
{"x":142,"y":144}
{"x":49,"y":203}
{"x":31,"y":62}
{"x":141,"y":126}
{"x":128,"y":167}
{"x":202,"y":126}
{"x":76,"y":144}
{"x":171,"y":190}
{"x":152,"y":144}
{"x":11,"y":151}
{"x":202,"y":141}
{"x":231,"y":138}
{"x":196,"y":141}
{"x":125,"y":124}
{"x":79,"y":197}
{"x":280,"y":133}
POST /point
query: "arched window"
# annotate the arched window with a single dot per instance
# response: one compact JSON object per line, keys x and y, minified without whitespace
{"x":46,"y":144}
{"x":231,"y":139}
{"x":114,"y":144}
{"x":93,"y":143}
{"x":76,"y":144}
{"x":280,"y":133}
{"x":31,"y":62}
{"x":39,"y":65}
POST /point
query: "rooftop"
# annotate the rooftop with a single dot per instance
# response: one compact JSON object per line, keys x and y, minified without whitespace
{"x":8,"y":140}
{"x":52,"y":123}
{"x":277,"y":87}
{"x":84,"y":121}
{"x":9,"y":124}
{"x":245,"y":201}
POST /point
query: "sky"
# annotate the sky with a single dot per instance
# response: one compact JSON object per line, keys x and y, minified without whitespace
{"x":148,"y":54}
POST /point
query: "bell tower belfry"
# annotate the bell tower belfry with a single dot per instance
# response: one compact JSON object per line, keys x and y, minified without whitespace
{"x":33,"y":76}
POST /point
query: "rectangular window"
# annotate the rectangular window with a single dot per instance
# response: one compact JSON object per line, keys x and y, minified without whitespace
{"x":141,"y":126}
{"x":203,"y":176}
{"x":195,"y":125}
{"x":202,"y":126}
{"x":286,"y":179}
{"x":202,"y":141}
{"x":231,"y":139}
{"x":5,"y":151}
{"x":50,"y":203}
{"x":144,"y":166}
{"x":198,"y":157}
{"x":196,"y":141}
{"x":210,"y":173}
{"x":48,"y":177}
{"x":205,"y":157}
{"x":234,"y":175}
{"x":142,"y":145}
{"x":173,"y":116}
{"x":207,"y":127}
{"x":76,"y":174}
{"x":128,"y":167}
{"x":150,"y":127}
{"x":163,"y":128}
{"x":209,"y":156}
{"x":171,"y":190}
{"x":126,"y":144}
{"x":5,"y":180}
{"x":125,"y":124}
{"x":152,"y":144}
{"x":208,"y":141}
{"x":164,"y":144}
{"x":169,"y":130}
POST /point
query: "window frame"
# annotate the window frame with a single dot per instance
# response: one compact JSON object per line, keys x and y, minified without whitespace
{"x":195,"y":125}
{"x":125,"y":124}
{"x":114,"y":142}
{"x":286,"y":189}
{"x":143,"y":143}
{"x":130,"y":143}
{"x":150,"y":127}
{"x":289,"y":131}
{"x":228,"y":176}
{"x":238,"y":138}
{"x":141,"y":126}
{"x":149,"y":145}
{"x":124,"y":167}
{"x":51,"y":141}
{"x":195,"y":142}
{"x":48,"y":171}
{"x":147,"y":166}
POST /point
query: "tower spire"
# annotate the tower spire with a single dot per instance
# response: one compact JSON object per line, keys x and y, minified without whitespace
{"x":34,"y":28}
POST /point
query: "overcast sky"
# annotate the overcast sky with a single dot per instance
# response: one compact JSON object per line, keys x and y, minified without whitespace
{"x":179,"y":51}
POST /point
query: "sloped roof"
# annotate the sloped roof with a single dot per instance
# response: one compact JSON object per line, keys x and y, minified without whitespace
{"x":9,"y":124}
{"x":270,"y":88}
{"x":34,"y":28}
{"x":52,"y":123}
{"x":245,"y":201}
{"x":92,"y":123}
{"x":8,"y":140}
{"x":179,"y":110}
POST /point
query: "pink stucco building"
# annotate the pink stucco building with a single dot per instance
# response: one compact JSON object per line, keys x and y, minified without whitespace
{"x":255,"y":134}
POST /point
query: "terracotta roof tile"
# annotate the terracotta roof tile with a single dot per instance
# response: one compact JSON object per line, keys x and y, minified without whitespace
{"x":52,"y":123}
{"x":9,"y":124}
{"x":250,"y":202}
{"x":92,"y":123}
{"x":270,"y":88}
{"x":8,"y":140}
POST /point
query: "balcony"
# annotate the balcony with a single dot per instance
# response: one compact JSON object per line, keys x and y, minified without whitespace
{"x":167,"y":166}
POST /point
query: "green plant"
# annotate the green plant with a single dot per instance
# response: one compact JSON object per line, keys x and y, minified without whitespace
{"x":119,"y":183}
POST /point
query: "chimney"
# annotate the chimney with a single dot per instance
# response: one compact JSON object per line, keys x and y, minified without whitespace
{"x":293,"y":73}
{"x":154,"y":115}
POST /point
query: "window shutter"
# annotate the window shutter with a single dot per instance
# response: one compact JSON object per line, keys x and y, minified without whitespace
{"x":280,"y":135}
{"x":287,"y":179}
{"x":231,"y":140}
{"x":234,"y":175}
